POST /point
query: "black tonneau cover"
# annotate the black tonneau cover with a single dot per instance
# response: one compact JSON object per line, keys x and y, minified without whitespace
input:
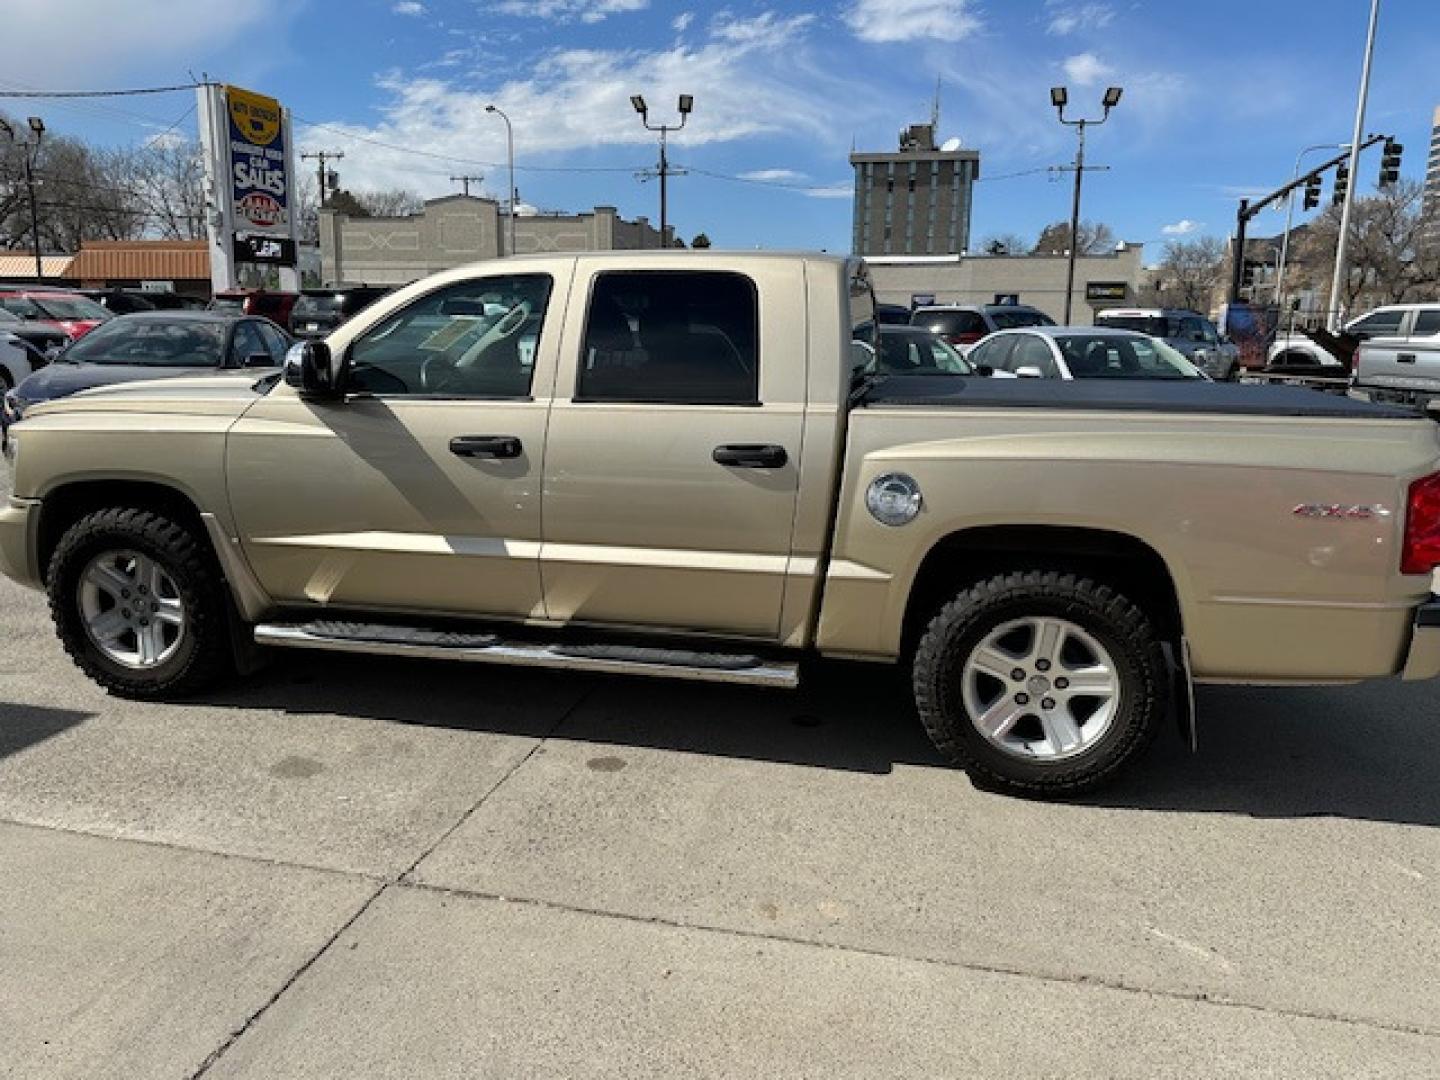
{"x":1122,"y":395}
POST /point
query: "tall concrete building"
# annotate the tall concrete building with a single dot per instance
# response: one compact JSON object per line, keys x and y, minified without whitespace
{"x":1432,"y":163}
{"x":915,"y":201}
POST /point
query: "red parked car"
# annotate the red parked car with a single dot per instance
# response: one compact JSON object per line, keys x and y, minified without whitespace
{"x":272,"y":304}
{"x":70,"y":312}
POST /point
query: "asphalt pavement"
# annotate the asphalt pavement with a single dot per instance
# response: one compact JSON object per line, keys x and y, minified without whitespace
{"x":358,"y":867}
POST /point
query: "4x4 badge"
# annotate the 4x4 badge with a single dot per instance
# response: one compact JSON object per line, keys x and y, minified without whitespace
{"x":1341,"y":511}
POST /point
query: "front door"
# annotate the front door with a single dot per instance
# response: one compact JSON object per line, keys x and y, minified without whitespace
{"x":672,"y":466}
{"x":421,"y":489}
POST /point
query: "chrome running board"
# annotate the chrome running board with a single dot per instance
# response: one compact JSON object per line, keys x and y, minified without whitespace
{"x":486,"y":648}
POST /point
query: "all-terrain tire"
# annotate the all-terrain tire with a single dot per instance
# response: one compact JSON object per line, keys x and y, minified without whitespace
{"x":1125,"y":631}
{"x":202,"y":655}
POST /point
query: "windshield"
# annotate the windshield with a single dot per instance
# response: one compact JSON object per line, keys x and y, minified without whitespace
{"x":1154,"y":325}
{"x":1111,"y":356}
{"x":910,"y":352}
{"x":228,"y":303}
{"x":1009,"y":319}
{"x":151,"y":343}
{"x":71,"y":308}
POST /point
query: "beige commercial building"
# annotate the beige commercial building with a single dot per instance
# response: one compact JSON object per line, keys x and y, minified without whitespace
{"x":915,"y":201}
{"x":459,"y":229}
{"x":1109,"y":280}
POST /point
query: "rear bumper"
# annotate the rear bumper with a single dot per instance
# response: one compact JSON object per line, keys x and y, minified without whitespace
{"x":1423,"y":658}
{"x":19,"y":527}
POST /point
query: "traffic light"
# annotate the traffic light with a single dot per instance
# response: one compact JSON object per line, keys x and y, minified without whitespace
{"x":1342,"y":182}
{"x":1312,"y":191}
{"x":1390,"y":163}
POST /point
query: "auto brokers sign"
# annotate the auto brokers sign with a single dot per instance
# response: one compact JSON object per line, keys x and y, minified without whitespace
{"x":259,"y":174}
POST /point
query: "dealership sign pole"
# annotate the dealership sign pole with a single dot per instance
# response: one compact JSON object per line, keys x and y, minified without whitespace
{"x":251,"y":215}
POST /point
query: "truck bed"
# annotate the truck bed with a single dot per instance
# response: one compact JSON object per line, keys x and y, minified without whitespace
{"x":1128,"y":395}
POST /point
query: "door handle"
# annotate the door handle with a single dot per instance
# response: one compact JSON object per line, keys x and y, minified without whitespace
{"x":751,"y":455}
{"x":486,"y":446}
{"x":1406,"y":358}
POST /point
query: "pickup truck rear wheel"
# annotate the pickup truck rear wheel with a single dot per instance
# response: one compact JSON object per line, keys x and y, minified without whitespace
{"x":138,"y":604}
{"x":1040,"y":682}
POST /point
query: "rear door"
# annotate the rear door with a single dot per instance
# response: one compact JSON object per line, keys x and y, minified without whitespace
{"x":672,"y":463}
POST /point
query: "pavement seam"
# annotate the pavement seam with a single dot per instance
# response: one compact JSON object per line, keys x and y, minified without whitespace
{"x":250,"y":1021}
{"x":404,"y":878}
{"x":1093,"y":981}
{"x":398,"y":880}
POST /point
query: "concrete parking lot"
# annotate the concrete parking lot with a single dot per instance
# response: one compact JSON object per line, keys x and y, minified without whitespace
{"x":346,"y":867}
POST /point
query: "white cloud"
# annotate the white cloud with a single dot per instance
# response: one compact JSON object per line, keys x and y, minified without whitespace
{"x":1086,"y":69}
{"x":911,"y":20}
{"x":408,"y":7}
{"x":99,"y":42}
{"x":831,"y":191}
{"x":682,"y":22}
{"x":772,"y":175}
{"x":1183,"y":227}
{"x":587,"y":11}
{"x":1066,"y":18}
{"x":577,"y":99}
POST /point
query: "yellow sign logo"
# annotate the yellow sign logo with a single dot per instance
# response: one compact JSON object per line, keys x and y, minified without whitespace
{"x":255,"y":116}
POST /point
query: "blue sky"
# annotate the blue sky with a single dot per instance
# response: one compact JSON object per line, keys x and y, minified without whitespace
{"x":1219,"y":95}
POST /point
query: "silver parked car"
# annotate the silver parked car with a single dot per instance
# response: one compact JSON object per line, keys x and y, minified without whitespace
{"x":1187,"y":332}
{"x":1080,"y":352}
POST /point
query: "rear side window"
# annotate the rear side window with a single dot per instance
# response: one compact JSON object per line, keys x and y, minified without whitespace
{"x":680,"y":338}
{"x":1426,"y":323}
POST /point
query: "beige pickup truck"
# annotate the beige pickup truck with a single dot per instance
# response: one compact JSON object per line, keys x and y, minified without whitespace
{"x":698,"y":465}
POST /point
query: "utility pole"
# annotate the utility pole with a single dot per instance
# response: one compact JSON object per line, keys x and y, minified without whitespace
{"x":1059,"y":97}
{"x":322,"y":156}
{"x":29,"y":149}
{"x":1343,"y":238}
{"x":465,"y":182}
{"x":686,"y":105}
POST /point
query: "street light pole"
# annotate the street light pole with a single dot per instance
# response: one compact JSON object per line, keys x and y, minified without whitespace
{"x":510,"y":159}
{"x":1290,"y":215}
{"x":1344,"y":236}
{"x":1059,"y":97}
{"x":686,"y":105}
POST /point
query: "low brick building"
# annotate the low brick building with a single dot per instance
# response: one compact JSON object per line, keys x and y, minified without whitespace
{"x":458,"y":229}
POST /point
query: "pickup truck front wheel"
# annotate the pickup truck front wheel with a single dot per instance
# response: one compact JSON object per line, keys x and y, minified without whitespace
{"x":137,"y":603}
{"x":1040,"y":682}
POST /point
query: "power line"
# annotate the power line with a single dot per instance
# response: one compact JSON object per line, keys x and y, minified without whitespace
{"x":101,"y":93}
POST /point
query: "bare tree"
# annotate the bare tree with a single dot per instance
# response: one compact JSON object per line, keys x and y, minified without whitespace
{"x":1190,"y":271}
{"x":168,"y":179}
{"x":1004,"y":243}
{"x":1095,"y":239}
{"x":392,"y":202}
{"x":1394,"y":250}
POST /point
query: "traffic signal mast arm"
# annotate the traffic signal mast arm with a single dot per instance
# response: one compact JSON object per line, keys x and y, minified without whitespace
{"x":1248,"y":210}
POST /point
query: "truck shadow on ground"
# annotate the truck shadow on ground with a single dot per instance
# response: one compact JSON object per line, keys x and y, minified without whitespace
{"x":1366,"y":752}
{"x":23,"y":726}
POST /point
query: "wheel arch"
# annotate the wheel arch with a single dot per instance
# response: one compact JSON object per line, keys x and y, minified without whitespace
{"x":963,"y":558}
{"x":67,"y":503}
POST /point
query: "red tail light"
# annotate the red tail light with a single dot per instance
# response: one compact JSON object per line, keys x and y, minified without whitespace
{"x":1421,"y":553}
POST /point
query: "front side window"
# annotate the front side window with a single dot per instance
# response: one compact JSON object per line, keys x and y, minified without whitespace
{"x":1096,"y":356}
{"x":274,"y":341}
{"x":246,"y":343}
{"x":1426,"y":323}
{"x":1034,"y":353}
{"x":681,"y":338}
{"x":473,"y":339}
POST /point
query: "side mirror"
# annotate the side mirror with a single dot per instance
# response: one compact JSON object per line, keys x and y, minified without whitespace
{"x":1029,"y":371}
{"x":985,"y":371}
{"x":259,"y":359}
{"x":310,"y":368}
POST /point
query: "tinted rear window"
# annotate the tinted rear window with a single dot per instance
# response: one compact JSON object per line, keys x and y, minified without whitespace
{"x":1154,"y":325}
{"x":326,"y":304}
{"x":1010,"y":319}
{"x":950,"y":322}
